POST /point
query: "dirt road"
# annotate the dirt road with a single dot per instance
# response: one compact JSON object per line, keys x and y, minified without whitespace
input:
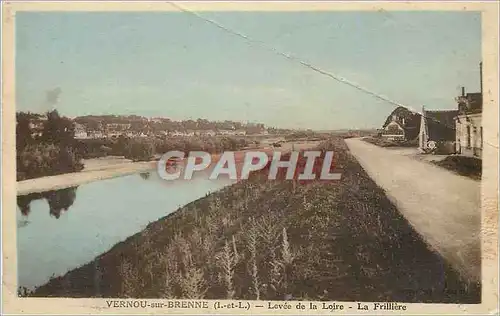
{"x":443,"y":207}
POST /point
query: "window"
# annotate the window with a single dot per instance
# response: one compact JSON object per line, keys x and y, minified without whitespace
{"x":468,"y":136}
{"x":481,"y":136}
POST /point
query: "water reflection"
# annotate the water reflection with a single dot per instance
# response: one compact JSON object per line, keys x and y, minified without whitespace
{"x":105,"y":213}
{"x":58,"y":200}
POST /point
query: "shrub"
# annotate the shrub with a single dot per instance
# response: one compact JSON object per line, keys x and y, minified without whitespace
{"x":140,"y":150}
{"x":46,"y":159}
{"x":383,"y":142}
{"x":465,"y":166}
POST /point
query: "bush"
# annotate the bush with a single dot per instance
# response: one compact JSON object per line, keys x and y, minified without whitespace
{"x":207,"y":144}
{"x":46,"y":160}
{"x":465,"y":166}
{"x":383,"y":142}
{"x":95,"y":148}
{"x":140,"y":150}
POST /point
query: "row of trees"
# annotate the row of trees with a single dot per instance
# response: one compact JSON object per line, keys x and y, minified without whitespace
{"x":145,"y":148}
{"x":48,"y":147}
{"x":143,"y":124}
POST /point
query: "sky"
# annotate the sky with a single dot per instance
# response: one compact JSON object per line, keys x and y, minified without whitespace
{"x":176,"y":65}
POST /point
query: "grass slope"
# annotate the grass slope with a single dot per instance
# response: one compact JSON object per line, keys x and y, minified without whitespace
{"x":261,"y":239}
{"x":465,"y":166}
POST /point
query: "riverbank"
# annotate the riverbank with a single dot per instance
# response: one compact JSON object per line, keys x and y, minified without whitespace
{"x":73,"y":179}
{"x":262,"y":239}
{"x":107,"y":168}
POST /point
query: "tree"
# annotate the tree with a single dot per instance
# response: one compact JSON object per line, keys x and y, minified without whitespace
{"x":140,"y":150}
{"x":50,"y":154}
{"x":58,"y":130}
{"x":23,"y":130}
{"x":120,"y":146}
{"x":41,"y":160}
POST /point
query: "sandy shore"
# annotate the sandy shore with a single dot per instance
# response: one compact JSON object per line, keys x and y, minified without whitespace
{"x":86,"y":176}
{"x":105,"y":163}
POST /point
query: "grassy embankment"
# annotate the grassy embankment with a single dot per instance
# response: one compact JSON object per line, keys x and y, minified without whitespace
{"x":383,"y":142}
{"x":465,"y":166}
{"x":261,"y":239}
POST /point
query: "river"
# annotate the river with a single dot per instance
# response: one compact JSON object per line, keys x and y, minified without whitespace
{"x":60,"y":230}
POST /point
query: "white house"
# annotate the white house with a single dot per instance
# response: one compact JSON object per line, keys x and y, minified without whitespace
{"x":227,"y":132}
{"x":176,"y":134}
{"x":118,"y":126}
{"x":469,"y":125}
{"x":469,"y":128}
{"x":80,"y":131}
{"x":114,"y":134}
{"x":95,"y":134}
{"x":401,"y":125}
{"x":437,"y":131}
{"x":394,"y":130}
{"x":208,"y":133}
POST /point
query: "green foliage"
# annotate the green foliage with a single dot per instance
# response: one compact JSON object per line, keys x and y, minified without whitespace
{"x":384,"y":142}
{"x":50,"y":153}
{"x":23,"y":131}
{"x":305,"y":135}
{"x":207,"y":144}
{"x":466,"y":166}
{"x":95,"y":148}
{"x":140,"y":150}
{"x":141,"y":124}
{"x":58,"y":130}
{"x":41,"y":159}
{"x":137,"y":148}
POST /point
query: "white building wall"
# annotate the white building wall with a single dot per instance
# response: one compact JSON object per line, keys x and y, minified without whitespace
{"x":474,"y":122}
{"x":422,"y":135}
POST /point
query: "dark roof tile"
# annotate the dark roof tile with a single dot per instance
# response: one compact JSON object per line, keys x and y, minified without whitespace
{"x":441,"y":124}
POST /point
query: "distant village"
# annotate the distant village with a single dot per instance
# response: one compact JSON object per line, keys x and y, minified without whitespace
{"x":457,"y":131}
{"x":114,"y":126}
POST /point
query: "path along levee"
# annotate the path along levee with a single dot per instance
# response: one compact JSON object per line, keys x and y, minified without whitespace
{"x":442,"y":206}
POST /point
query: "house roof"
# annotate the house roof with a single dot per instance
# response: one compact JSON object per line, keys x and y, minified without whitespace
{"x":411,"y":124}
{"x":441,"y":124}
{"x":471,"y":103}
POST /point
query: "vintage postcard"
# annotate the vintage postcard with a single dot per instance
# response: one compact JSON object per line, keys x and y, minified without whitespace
{"x":284,"y":158}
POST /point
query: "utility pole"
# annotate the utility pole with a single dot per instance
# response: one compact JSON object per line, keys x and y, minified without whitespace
{"x":481,"y":77}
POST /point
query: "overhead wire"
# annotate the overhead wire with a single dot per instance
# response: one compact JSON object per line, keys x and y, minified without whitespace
{"x":310,"y":66}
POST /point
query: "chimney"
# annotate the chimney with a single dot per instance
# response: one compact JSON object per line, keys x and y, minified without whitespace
{"x":481,"y":76}
{"x":463,"y":91}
